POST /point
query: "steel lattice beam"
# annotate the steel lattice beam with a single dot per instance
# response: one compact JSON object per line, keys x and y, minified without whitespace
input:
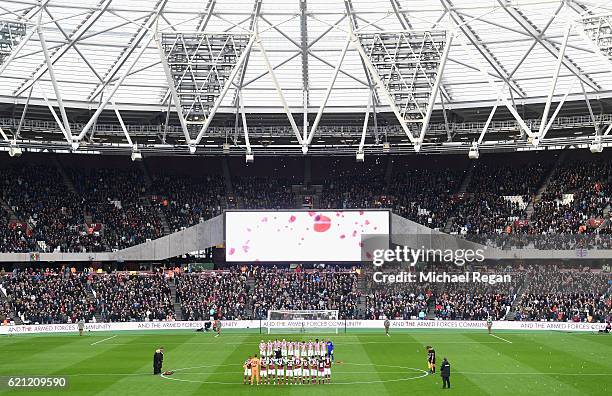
{"x":520,"y":18}
{"x":475,"y":40}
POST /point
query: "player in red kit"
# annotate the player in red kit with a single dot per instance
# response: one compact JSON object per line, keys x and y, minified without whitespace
{"x":289,"y":374}
{"x":328,"y":369}
{"x":271,"y":371}
{"x":305,"y":370}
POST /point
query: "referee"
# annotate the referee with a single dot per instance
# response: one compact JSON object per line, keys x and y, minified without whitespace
{"x":445,"y":371}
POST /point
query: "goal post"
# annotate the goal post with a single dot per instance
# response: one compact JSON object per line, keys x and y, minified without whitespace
{"x":304,"y":321}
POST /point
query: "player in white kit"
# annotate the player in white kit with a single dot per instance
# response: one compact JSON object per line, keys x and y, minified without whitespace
{"x":303,"y":349}
{"x":262,"y":349}
{"x":290,"y":349}
{"x":283,"y":348}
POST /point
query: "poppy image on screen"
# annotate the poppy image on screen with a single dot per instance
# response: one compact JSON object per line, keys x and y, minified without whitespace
{"x":254,"y":236}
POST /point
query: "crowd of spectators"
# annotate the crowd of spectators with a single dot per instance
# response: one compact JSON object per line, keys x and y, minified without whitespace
{"x":496,"y":198}
{"x":124,"y":297}
{"x":219,"y":294}
{"x":13,"y":239}
{"x":539,"y":293}
{"x":325,"y":289}
{"x":398,"y":303}
{"x":116,"y":198}
{"x":46,"y":296}
{"x":485,"y":214}
{"x":575,"y":201}
{"x":188,"y":200}
{"x":105,"y":209}
{"x":6,"y":312}
{"x":48,"y":212}
{"x":263,"y":193}
{"x":426,"y":196}
{"x":460,"y":301}
{"x":557,"y":294}
{"x":443,"y":301}
{"x":351,"y":191}
{"x":422,"y":195}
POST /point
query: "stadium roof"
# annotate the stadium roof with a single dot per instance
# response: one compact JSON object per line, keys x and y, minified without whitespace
{"x":106,"y":50}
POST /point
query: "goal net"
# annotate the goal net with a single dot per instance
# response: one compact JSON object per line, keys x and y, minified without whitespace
{"x":310,"y":321}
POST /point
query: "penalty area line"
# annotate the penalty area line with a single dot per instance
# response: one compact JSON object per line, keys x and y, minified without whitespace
{"x":105,"y":339}
{"x":500,"y":338}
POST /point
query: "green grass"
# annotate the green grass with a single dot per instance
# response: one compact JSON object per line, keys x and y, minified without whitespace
{"x":537,"y":363}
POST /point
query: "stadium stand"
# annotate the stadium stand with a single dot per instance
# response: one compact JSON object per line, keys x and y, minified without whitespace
{"x":48,"y":296}
{"x":549,"y":293}
{"x":122,"y":298}
{"x":557,"y":294}
{"x":110,"y":208}
{"x":187,"y":200}
{"x":226,"y":293}
{"x":330,"y":289}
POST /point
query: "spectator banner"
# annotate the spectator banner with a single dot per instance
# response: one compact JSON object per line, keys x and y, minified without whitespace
{"x":292,"y":324}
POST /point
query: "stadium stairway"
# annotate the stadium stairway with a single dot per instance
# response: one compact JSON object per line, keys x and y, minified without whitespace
{"x":160,"y":213}
{"x":553,"y":171}
{"x":4,"y":299}
{"x":467,"y":179}
{"x":431,"y":309}
{"x":389,"y":172}
{"x":67,"y":181}
{"x":91,"y":298}
{"x":606,"y":212}
{"x":363,"y":291}
{"x":178,"y":313}
{"x":465,"y":183}
{"x":12,"y":215}
{"x":248,"y":309}
{"x":517,"y":300}
{"x":606,"y":223}
{"x":227,"y":176}
{"x":87,"y":218}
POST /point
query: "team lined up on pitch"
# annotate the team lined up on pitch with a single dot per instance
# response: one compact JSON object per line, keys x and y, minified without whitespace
{"x":290,"y":363}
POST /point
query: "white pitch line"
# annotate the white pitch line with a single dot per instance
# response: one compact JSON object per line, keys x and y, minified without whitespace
{"x":537,"y":373}
{"x":221,"y":343}
{"x":108,"y":338}
{"x":500,"y":338}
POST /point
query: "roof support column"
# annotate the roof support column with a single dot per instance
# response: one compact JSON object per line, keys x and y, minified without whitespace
{"x":435,"y":88}
{"x":378,"y":82}
{"x":58,"y":94}
{"x":226,"y":87}
{"x":330,"y":86}
{"x":553,"y":84}
{"x":279,"y":90}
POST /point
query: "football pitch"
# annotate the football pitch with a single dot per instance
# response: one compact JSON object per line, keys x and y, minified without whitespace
{"x":367,"y":363}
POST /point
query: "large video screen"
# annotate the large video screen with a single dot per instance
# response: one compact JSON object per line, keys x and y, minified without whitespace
{"x":300,"y":235}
